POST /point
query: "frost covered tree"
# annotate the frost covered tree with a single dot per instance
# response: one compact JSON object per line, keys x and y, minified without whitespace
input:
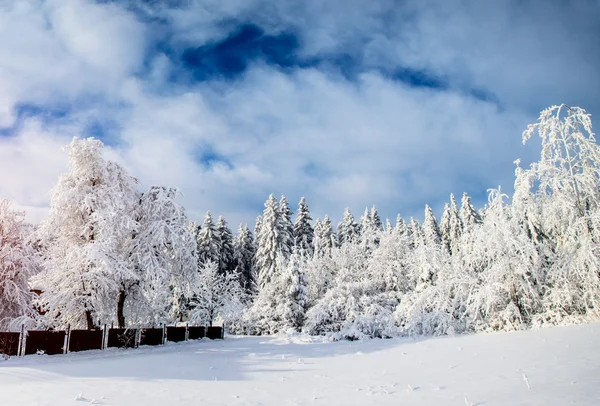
{"x":216,"y":295}
{"x":286,"y":228}
{"x":244,"y":250}
{"x":87,"y":234}
{"x":469,"y":216}
{"x":294,"y":300}
{"x":504,"y":270}
{"x":348,"y":228}
{"x":431,"y":230}
{"x":451,"y":226}
{"x":268,"y":242}
{"x":209,"y":248}
{"x":163,"y":256}
{"x":225,"y":243}
{"x":566,"y":191}
{"x":324,"y":237}
{"x":303,"y":230}
{"x":18,"y":262}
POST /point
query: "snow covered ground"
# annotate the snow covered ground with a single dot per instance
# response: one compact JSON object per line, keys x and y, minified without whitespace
{"x":558,"y":366}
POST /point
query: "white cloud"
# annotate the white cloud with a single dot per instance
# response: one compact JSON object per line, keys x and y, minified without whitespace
{"x":311,"y":132}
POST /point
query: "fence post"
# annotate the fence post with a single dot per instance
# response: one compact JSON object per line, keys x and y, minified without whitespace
{"x":67,"y":339}
{"x":104,"y":335}
{"x":187,"y":332}
{"x":21,"y":345}
{"x":164,"y":334}
{"x":223,"y":331}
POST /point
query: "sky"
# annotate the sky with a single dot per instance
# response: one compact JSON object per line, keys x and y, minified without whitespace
{"x":349,"y":103}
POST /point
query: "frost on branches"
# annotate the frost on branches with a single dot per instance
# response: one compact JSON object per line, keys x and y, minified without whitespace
{"x":86,"y":235}
{"x":18,"y":262}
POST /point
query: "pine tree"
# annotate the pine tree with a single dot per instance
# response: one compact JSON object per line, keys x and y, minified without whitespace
{"x":245,"y":249}
{"x":445,"y":227}
{"x":401,"y":227}
{"x":286,"y":233}
{"x":324,"y":238}
{"x":348,"y":229}
{"x":415,"y":232}
{"x":431,"y":230}
{"x":269,"y":243}
{"x":468,"y":215}
{"x":294,"y":302}
{"x":209,"y":248}
{"x":375,"y":219}
{"x":225,"y":241}
{"x":303,"y":231}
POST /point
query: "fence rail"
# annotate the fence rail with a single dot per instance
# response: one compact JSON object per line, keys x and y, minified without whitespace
{"x":52,"y":342}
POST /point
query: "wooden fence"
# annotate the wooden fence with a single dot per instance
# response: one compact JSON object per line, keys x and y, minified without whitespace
{"x":53,"y":342}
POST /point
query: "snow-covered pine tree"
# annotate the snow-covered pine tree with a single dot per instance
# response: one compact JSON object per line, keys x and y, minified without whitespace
{"x":468,"y":215}
{"x":303,"y":230}
{"x":401,"y":227}
{"x":209,"y":248}
{"x":348,"y":228}
{"x":293,"y":304}
{"x":286,"y":234}
{"x":445,"y":227}
{"x":244,"y":250}
{"x":18,"y":262}
{"x":375,"y":219}
{"x":431,"y":231}
{"x":87,"y":234}
{"x":258,"y":225}
{"x":226,"y":252}
{"x":324,"y":238}
{"x":416,"y":233}
{"x":268,"y":243}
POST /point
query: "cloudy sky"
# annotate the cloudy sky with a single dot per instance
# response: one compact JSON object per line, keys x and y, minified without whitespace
{"x":349,"y":103}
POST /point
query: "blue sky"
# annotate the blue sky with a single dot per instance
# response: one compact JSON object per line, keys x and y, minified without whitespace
{"x":349,"y":103}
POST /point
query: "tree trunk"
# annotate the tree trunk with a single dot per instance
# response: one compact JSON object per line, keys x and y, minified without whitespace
{"x":121,"y":309}
{"x":89,"y":320}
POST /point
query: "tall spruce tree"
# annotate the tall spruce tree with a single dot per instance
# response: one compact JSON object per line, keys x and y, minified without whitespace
{"x":286,"y":233}
{"x":431,"y":230}
{"x":304,"y":233}
{"x":348,"y":229}
{"x":225,"y":240}
{"x":209,"y":248}
{"x":244,"y":251}
{"x":469,"y":216}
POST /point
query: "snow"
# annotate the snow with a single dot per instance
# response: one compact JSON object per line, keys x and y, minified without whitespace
{"x":556,"y":366}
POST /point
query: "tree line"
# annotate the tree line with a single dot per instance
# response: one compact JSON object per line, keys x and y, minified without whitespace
{"x":108,"y":252}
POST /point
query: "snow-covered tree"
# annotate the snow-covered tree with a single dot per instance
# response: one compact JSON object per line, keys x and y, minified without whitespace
{"x":244,"y":250}
{"x":87,"y":234}
{"x":348,"y":228}
{"x":566,"y":192}
{"x":303,"y":230}
{"x":507,"y":279}
{"x":163,"y":255}
{"x":18,"y":262}
{"x":431,"y":231}
{"x":216,"y":295}
{"x":268,"y":243}
{"x":294,"y":301}
{"x":225,"y":242}
{"x":324,"y":237}
{"x":286,"y":227}
{"x":209,"y":248}
{"x":468,"y":214}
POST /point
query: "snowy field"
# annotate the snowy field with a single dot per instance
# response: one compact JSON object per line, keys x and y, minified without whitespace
{"x":558,"y":366}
